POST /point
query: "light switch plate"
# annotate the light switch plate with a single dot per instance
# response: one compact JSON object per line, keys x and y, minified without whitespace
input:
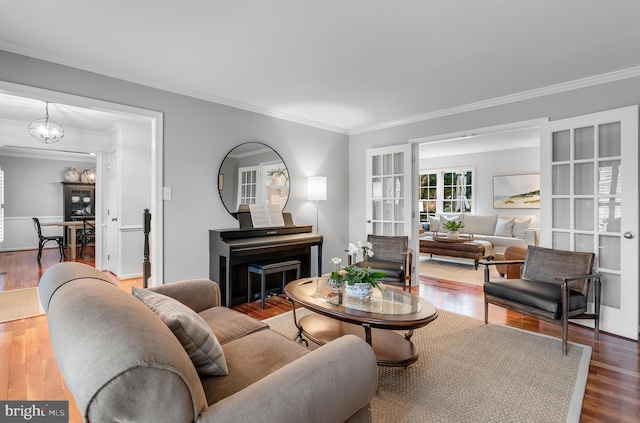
{"x":166,"y":193}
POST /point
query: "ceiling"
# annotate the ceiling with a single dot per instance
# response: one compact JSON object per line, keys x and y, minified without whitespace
{"x":348,"y":66}
{"x":22,"y":109}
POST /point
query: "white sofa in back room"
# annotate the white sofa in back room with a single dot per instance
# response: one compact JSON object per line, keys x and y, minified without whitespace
{"x":501,"y":230}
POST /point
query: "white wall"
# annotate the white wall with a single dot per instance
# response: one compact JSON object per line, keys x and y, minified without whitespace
{"x":487,"y":165}
{"x":133,"y":146}
{"x":197,"y":135}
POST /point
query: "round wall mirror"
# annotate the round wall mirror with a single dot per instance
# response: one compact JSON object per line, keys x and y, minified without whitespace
{"x":252,"y":173}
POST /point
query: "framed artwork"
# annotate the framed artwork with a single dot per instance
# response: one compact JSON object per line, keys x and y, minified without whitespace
{"x":516,"y":191}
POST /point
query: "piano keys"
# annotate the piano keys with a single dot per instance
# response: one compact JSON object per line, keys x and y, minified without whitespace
{"x":232,"y":250}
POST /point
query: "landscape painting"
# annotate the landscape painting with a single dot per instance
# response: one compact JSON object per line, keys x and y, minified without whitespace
{"x":516,"y":191}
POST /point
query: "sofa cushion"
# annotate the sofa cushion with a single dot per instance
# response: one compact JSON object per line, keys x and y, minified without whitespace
{"x":504,"y":227}
{"x":250,"y":359}
{"x":480,"y":224}
{"x":519,"y":226}
{"x":228,"y":324}
{"x":192,"y":331}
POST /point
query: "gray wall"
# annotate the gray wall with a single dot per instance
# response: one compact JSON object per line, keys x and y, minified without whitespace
{"x":197,"y":135}
{"x":33,"y":186}
{"x":33,"y":189}
{"x":557,"y":106}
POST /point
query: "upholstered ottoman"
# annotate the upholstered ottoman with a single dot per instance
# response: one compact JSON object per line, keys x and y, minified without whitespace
{"x":474,"y":250}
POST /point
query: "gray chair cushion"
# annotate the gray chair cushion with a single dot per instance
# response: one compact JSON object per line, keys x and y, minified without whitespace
{"x":393,"y":269}
{"x":541,"y":295}
{"x":192,"y":331}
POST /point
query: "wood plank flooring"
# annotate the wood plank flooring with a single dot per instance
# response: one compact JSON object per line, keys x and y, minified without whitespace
{"x":28,"y":369}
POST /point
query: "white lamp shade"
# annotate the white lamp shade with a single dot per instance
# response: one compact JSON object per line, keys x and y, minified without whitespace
{"x":317,"y":188}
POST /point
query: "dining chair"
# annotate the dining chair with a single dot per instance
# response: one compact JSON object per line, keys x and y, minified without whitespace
{"x":87,"y":236}
{"x":44,"y":239}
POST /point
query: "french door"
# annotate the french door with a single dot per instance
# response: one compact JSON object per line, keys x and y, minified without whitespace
{"x":389,"y":190}
{"x":589,"y":180}
{"x":248,"y":185}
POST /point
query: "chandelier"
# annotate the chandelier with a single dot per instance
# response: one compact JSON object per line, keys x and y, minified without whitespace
{"x":46,"y":131}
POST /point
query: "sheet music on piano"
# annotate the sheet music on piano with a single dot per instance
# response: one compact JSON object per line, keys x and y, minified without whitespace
{"x":266,"y":215}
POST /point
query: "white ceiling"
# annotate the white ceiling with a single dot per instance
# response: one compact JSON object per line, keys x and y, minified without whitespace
{"x":348,"y":66}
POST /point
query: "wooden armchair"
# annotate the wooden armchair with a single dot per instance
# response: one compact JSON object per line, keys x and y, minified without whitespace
{"x":553,"y":287}
{"x":391,"y":255}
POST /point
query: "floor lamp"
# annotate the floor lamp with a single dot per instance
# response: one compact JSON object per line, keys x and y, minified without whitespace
{"x":317,"y":190}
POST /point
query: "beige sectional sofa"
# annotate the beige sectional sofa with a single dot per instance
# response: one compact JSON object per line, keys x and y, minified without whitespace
{"x":123,"y":363}
{"x":501,"y":230}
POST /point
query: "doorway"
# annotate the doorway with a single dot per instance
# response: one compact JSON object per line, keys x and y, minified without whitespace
{"x":83,"y":107}
{"x":456,"y":171}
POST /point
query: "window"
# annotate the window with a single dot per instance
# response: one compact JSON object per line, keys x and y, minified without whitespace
{"x":428,"y":199}
{"x":445,"y":191}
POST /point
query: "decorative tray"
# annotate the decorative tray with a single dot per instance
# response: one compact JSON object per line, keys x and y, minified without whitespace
{"x":445,"y":239}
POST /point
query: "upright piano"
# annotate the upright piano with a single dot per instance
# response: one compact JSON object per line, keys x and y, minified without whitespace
{"x":232,"y":250}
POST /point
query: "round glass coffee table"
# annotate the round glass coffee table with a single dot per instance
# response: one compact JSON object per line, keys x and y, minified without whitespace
{"x":373,"y":320}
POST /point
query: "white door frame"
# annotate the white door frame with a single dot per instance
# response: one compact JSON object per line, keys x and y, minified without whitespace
{"x":157,"y":159}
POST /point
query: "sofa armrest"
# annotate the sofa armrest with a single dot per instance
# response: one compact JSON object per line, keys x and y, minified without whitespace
{"x":330,"y":384}
{"x":197,"y":294}
{"x":532,"y":236}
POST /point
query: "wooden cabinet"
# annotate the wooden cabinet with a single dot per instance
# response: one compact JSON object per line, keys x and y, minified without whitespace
{"x":79,"y":200}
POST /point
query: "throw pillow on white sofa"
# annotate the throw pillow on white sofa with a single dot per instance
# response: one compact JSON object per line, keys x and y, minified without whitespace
{"x":504,"y":227}
{"x":519,"y":226}
{"x":434,"y":224}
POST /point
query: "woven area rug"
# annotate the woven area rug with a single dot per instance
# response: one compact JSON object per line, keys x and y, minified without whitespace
{"x":454,"y":269}
{"x":19,"y":304}
{"x":471,"y":372}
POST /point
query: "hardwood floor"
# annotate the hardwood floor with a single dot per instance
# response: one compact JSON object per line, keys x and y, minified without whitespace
{"x":28,"y":369}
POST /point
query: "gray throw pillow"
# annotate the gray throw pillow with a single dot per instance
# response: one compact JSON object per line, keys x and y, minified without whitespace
{"x":192,"y":331}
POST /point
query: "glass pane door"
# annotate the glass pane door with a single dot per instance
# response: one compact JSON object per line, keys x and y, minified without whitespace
{"x":593,"y":196}
{"x":389,"y":190}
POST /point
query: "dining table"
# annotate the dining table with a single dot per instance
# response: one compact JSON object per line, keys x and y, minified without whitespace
{"x":72,"y":227}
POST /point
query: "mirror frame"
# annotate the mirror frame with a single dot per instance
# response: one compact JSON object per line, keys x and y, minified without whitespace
{"x":222,"y":182}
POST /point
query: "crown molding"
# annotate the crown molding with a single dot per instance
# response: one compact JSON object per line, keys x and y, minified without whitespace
{"x":148,"y":82}
{"x":512,"y":98}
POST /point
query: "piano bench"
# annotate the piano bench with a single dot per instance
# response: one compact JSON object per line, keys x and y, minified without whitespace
{"x":264,"y":269}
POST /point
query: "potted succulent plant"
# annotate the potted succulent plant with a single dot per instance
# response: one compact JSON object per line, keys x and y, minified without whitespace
{"x":453,"y":228}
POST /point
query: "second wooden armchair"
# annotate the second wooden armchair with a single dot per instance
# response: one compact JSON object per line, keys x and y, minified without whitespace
{"x":392,"y":256}
{"x":554,"y":286}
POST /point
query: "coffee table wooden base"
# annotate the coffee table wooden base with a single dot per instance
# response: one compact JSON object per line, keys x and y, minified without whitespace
{"x":390,"y":348}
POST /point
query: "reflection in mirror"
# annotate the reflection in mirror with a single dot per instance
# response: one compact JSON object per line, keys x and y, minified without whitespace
{"x":253,"y":173}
